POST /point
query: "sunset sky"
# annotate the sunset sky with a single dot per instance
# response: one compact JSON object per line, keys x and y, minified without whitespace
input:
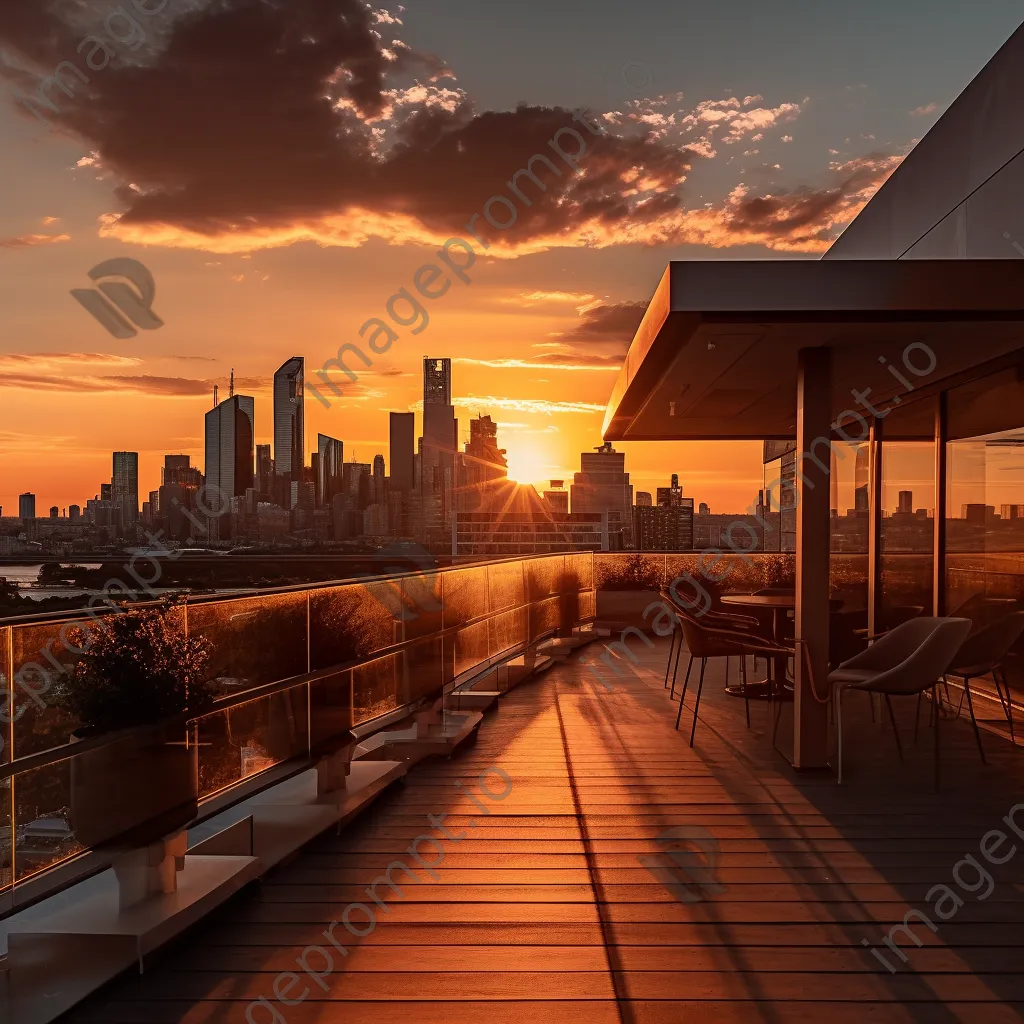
{"x":283,"y":167}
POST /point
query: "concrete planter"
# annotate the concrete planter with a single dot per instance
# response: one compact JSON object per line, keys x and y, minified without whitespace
{"x":135,"y":790}
{"x":627,"y":607}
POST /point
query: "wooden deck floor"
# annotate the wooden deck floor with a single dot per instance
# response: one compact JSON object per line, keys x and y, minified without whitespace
{"x":543,"y":910}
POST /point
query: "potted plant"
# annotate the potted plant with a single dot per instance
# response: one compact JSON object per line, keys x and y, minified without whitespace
{"x":139,"y":679}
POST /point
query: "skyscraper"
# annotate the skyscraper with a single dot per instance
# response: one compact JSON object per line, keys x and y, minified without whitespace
{"x":27,"y":505}
{"x":379,"y":487}
{"x":483,"y":468}
{"x":906,"y":502}
{"x":556,"y":497}
{"x":602,"y":485}
{"x":289,"y":426}
{"x":125,"y":487}
{"x":264,"y":470}
{"x":330,"y":462}
{"x":403,"y":449}
{"x":437,"y":459}
{"x":179,"y":484}
{"x":437,"y":381}
{"x":670,"y":497}
{"x":230,"y":429}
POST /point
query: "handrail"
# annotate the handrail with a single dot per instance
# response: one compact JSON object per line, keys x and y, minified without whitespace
{"x":291,"y":588}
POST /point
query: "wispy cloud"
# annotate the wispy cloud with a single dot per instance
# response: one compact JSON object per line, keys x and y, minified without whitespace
{"x":555,"y":361}
{"x":928,"y":108}
{"x":30,"y":241}
{"x":174,"y":387}
{"x":38,"y":362}
{"x":535,"y":405}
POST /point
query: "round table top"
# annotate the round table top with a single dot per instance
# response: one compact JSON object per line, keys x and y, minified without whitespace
{"x":761,"y":600}
{"x":769,"y":600}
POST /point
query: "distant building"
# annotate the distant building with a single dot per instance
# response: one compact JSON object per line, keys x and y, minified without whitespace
{"x":180,"y":482}
{"x":672,"y":496}
{"x":437,"y":381}
{"x":402,"y":450}
{"x":54,"y":512}
{"x":527,"y":533}
{"x":482,"y":468}
{"x":264,"y":471}
{"x":375,"y":521}
{"x":437,"y":453}
{"x":74,"y":513}
{"x":27,"y":505}
{"x":556,"y":497}
{"x":643,"y":499}
{"x":330,"y":464}
{"x":378,"y":481}
{"x":1011,"y":511}
{"x":602,"y":485}
{"x":905,"y":504}
{"x":664,"y":527}
{"x":125,"y":487}
{"x":289,"y":425}
{"x":704,"y":509}
{"x":230,"y":430}
{"x":729,"y":532}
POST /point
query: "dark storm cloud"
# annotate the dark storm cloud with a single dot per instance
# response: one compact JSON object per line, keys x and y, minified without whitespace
{"x":616,"y":322}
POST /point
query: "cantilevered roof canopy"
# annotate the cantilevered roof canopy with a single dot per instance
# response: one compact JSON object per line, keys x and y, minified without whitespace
{"x":715,"y":356}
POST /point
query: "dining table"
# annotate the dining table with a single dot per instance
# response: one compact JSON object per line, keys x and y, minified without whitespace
{"x":773,"y":685}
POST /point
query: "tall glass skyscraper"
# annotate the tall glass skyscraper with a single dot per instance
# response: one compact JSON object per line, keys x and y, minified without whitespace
{"x":437,"y":381}
{"x":125,"y":486}
{"x":230,"y":429}
{"x":331,"y":458}
{"x":289,"y":425}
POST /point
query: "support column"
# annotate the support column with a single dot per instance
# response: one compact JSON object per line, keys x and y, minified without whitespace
{"x":813,"y":445}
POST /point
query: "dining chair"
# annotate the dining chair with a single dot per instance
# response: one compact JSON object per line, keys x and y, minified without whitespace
{"x":984,"y":652}
{"x":703,"y":643}
{"x":906,"y":661}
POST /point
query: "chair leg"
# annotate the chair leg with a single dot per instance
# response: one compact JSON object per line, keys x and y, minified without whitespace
{"x":917,"y":717}
{"x":935,"y":698}
{"x":743,"y":680}
{"x":895,"y":730}
{"x":686,"y":681}
{"x":679,"y":654}
{"x":727,"y":672}
{"x":696,"y":704}
{"x":1007,"y":705}
{"x":671,"y":651}
{"x":974,"y":721}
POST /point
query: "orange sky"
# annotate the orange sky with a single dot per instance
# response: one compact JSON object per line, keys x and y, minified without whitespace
{"x":278,"y":208}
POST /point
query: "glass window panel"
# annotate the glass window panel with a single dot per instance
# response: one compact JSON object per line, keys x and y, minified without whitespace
{"x":850,"y":527}
{"x":908,"y":517}
{"x":255,"y":640}
{"x":985,"y":504}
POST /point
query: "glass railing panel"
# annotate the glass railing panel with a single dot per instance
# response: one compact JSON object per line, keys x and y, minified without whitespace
{"x":351,"y":622}
{"x":330,"y":708}
{"x":38,"y":725}
{"x":505,"y":585}
{"x":588,"y":605}
{"x":470,"y":648}
{"x":545,"y":617}
{"x":581,"y":568}
{"x":422,"y":597}
{"x":508,"y":630}
{"x":376,"y":687}
{"x":44,"y":831}
{"x":254,"y":640}
{"x":544,"y":576}
{"x":243,"y":740}
{"x":6,"y":837}
{"x":6,"y":700}
{"x":465,"y":595}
